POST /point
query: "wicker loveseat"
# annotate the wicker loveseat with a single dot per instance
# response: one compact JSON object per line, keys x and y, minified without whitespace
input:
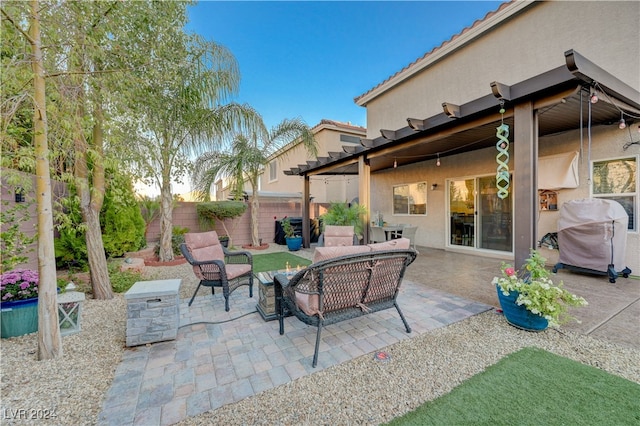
{"x":344,"y":283}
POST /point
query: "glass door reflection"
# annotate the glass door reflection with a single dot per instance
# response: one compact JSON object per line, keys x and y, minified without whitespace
{"x":494,"y":217}
{"x":462,"y":211}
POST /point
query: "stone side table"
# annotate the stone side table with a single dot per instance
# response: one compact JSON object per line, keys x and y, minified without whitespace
{"x":266,"y":306}
{"x":152,"y":311}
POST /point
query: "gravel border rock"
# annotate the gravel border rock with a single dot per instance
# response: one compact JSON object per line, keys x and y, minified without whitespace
{"x":362,"y":391}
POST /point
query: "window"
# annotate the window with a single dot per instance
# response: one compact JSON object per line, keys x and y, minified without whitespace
{"x":273,"y":171}
{"x":410,"y":199}
{"x":618,"y":180}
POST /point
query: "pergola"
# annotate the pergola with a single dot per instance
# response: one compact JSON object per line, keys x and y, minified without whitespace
{"x":552,"y":102}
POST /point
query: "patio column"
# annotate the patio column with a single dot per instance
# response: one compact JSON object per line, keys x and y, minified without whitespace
{"x":525,"y":187}
{"x":364,"y":192}
{"x":306,"y":228}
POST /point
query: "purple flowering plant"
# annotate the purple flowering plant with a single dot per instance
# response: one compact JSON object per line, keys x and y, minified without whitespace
{"x":19,"y":284}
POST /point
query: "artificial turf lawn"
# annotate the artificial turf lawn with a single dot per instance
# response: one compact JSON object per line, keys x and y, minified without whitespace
{"x":277,"y":261}
{"x":534,"y":387}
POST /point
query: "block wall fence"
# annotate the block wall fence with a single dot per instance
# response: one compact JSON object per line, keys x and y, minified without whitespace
{"x":184,"y":215}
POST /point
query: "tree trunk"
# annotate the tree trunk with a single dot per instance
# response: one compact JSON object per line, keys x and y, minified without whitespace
{"x":95,"y":247}
{"x":91,"y":200}
{"x":49,"y":339}
{"x":166,"y":222}
{"x":97,"y":259}
{"x":255,"y":231}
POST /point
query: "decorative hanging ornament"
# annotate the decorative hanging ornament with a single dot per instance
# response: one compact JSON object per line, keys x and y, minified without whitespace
{"x":502,"y":158}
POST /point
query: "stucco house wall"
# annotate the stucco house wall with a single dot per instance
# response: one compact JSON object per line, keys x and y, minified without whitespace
{"x":531,"y":41}
{"x":323,"y":190}
{"x":527,"y":44}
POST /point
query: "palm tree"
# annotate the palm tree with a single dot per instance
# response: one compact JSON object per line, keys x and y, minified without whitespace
{"x":184,"y":109}
{"x":245,"y":159}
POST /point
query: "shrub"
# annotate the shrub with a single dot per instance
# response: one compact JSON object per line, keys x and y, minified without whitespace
{"x":345,"y":214}
{"x":13,"y":242}
{"x":123,"y":226}
{"x":121,"y":281}
{"x":19,"y":284}
{"x":71,"y":246}
{"x":209,"y":212}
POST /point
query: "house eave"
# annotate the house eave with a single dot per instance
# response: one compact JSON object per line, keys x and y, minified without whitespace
{"x":446,"y":49}
{"x":455,"y":129}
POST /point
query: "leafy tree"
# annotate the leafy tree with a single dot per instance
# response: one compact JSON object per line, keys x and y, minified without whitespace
{"x":182,"y":96}
{"x":222,"y":211}
{"x":245,"y":158}
{"x":49,"y":339}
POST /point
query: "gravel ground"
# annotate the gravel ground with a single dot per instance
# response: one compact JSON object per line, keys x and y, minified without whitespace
{"x":362,"y":391}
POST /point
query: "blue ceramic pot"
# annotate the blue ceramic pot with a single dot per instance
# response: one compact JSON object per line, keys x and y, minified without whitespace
{"x":294,"y":243}
{"x":518,"y":315}
{"x":19,"y":317}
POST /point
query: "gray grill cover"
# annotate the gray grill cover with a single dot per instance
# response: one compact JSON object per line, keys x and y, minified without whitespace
{"x":592,"y":233}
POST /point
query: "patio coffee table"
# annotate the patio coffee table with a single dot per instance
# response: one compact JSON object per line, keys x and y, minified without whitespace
{"x":266,"y":294}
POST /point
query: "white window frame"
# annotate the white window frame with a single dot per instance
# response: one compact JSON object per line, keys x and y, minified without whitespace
{"x":634,"y":195}
{"x":414,"y":190}
{"x":273,"y":171}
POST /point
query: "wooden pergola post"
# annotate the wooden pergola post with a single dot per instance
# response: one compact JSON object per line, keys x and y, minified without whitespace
{"x":525,"y":186}
{"x":364,"y":192}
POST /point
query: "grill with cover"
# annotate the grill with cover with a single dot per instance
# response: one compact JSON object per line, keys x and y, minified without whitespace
{"x":592,"y":237}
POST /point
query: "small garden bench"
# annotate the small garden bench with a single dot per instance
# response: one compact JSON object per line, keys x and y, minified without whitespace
{"x":359,"y":281}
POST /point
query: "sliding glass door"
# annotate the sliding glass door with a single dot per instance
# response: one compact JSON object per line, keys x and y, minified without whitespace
{"x":495,"y":220}
{"x":478,"y":218}
{"x":462,"y":211}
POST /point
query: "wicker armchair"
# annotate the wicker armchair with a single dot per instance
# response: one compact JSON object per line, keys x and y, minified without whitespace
{"x":215,"y":266}
{"x":342,"y":288}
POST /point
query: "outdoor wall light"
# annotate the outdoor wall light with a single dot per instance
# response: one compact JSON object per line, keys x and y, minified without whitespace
{"x":19,"y":195}
{"x":434,"y":186}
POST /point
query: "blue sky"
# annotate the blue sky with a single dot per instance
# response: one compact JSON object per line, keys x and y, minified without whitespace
{"x":311,"y":59}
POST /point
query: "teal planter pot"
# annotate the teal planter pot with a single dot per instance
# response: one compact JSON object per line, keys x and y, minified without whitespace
{"x":517,"y":315}
{"x":19,"y":317}
{"x":294,"y":243}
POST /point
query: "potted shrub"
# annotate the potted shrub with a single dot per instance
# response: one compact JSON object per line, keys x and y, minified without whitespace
{"x":529,"y":299}
{"x":224,"y":240}
{"x":19,"y":302}
{"x":294,"y":242}
{"x":346,"y":214}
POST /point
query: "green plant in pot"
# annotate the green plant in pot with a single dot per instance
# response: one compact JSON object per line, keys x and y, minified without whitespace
{"x":294,"y":242}
{"x":345,"y":214}
{"x":530,"y":300}
{"x":224,"y":240}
